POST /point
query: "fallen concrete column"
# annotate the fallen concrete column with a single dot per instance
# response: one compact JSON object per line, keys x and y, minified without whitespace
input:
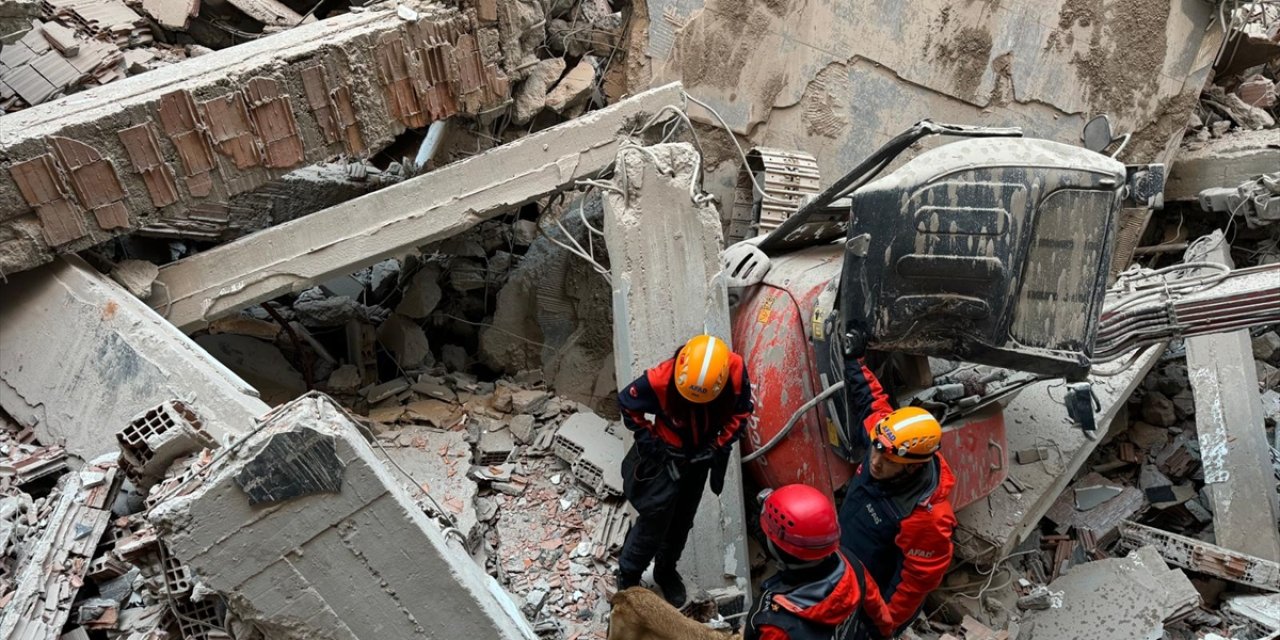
{"x":306,"y":534}
{"x":360,"y":232}
{"x":990,"y":529}
{"x":1224,"y":162}
{"x":176,"y":143}
{"x":80,"y":357}
{"x":664,"y":252}
{"x":1233,"y":438}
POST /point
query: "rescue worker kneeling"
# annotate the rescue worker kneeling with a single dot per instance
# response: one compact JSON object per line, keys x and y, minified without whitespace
{"x":686,"y":413}
{"x":820,"y":590}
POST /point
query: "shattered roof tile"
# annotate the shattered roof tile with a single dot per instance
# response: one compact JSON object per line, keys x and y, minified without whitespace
{"x":29,"y":84}
{"x":54,"y":68}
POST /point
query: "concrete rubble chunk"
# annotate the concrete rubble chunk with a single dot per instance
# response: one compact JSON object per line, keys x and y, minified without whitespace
{"x":1134,"y":595}
{"x":406,"y":341}
{"x":364,"y":562}
{"x":363,"y":231}
{"x":654,"y":314}
{"x":1261,"y":610}
{"x":531,"y":96}
{"x":1234,"y":450}
{"x":102,"y":332}
{"x":574,"y":88}
{"x":422,"y":294}
{"x":172,"y":14}
{"x":178,"y":142}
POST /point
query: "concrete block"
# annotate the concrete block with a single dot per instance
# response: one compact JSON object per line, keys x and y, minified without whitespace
{"x":80,"y":357}
{"x":360,"y":232}
{"x":1234,"y":450}
{"x":655,"y":312}
{"x":177,"y":142}
{"x":364,"y":562}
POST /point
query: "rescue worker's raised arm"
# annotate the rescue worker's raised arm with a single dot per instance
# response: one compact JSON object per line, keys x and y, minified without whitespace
{"x":925,"y":542}
{"x":868,"y":401}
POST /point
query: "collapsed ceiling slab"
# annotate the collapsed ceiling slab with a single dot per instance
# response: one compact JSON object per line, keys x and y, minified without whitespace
{"x":176,"y":143}
{"x":80,"y":356}
{"x":357,"y":233}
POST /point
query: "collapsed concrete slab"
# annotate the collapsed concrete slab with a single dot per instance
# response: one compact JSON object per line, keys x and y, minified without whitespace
{"x":664,"y":252}
{"x":1234,"y":451}
{"x":1224,"y":162}
{"x":1114,"y":599}
{"x":80,"y":357}
{"x":360,"y":232}
{"x":177,"y":143}
{"x":990,"y":529}
{"x":307,"y":534}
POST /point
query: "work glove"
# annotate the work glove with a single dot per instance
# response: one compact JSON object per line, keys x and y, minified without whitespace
{"x":719,"y":466}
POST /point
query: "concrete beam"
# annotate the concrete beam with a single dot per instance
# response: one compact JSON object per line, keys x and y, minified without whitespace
{"x":307,"y":534}
{"x":80,"y":357}
{"x":1234,"y":450}
{"x":1225,"y":162}
{"x":990,"y":529}
{"x":664,"y":252}
{"x":178,"y":142}
{"x":360,"y":232}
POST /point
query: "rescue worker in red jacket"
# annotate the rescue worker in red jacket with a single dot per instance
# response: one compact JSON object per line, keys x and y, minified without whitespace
{"x":686,"y":414}
{"x":896,"y":516}
{"x":820,"y":590}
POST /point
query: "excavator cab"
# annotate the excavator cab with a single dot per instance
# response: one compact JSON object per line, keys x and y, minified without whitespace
{"x":993,"y":250}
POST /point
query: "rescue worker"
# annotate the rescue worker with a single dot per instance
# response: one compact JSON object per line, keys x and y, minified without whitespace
{"x":820,"y":590}
{"x":896,"y":516}
{"x":686,"y":414}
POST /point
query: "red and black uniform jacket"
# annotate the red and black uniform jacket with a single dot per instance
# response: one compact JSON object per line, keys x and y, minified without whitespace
{"x":901,"y":531}
{"x":680,"y":428}
{"x":824,"y":607}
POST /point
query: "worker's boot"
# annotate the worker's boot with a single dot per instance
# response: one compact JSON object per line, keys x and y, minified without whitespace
{"x":672,"y":585}
{"x":627,"y":580}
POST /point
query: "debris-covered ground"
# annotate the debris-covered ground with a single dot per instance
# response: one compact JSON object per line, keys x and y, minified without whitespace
{"x":479,"y":365}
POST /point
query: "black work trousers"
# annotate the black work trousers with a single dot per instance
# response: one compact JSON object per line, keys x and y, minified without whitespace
{"x":666,"y":507}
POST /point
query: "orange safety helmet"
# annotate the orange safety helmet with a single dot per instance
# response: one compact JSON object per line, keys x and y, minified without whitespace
{"x":702,"y":368}
{"x":910,"y":435}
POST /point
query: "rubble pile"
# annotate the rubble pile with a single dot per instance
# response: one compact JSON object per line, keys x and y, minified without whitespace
{"x":490,"y":456}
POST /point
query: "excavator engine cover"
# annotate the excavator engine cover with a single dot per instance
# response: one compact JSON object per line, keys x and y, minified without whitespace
{"x":992,"y":250}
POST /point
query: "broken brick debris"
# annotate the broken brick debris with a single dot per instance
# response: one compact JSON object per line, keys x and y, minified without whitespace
{"x":1203,"y":557}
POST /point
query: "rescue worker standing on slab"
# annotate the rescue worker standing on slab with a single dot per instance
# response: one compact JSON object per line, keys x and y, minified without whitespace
{"x":686,"y":414}
{"x":820,"y":591}
{"x":897,"y":516}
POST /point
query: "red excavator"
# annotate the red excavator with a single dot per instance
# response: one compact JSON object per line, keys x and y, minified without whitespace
{"x":970,"y":271}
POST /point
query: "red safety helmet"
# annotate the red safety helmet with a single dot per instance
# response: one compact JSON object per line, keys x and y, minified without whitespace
{"x":801,"y":521}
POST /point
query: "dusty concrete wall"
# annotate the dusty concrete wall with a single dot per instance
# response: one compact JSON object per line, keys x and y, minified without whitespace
{"x":80,"y":356}
{"x":180,"y":141}
{"x":308,"y":535}
{"x":837,"y":78}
